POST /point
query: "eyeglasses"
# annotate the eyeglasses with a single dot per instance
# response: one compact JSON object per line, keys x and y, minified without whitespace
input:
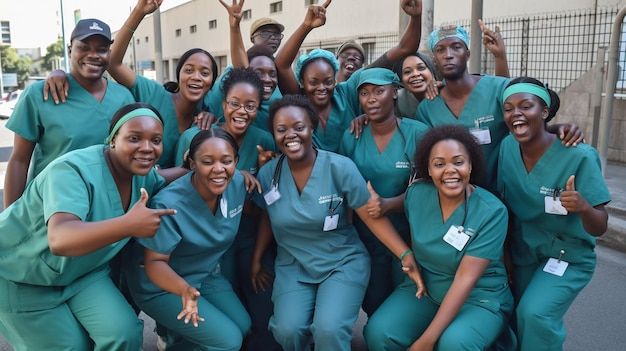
{"x":265,"y":34}
{"x":247,"y":107}
{"x":355,"y":58}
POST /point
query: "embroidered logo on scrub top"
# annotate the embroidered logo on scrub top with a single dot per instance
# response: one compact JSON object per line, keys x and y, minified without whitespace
{"x":403,"y":164}
{"x":235,"y":211}
{"x":544,"y":190}
{"x":324,"y":199}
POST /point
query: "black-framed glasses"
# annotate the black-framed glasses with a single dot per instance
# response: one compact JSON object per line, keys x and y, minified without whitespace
{"x":266,"y":34}
{"x":354,"y":57}
{"x":250,"y":107}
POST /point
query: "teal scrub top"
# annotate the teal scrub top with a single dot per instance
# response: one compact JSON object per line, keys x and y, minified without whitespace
{"x":483,"y":109}
{"x":534,"y":231}
{"x":344,"y":107}
{"x":388,"y":171}
{"x":486,"y":224}
{"x":195,"y":238}
{"x":297,"y":219}
{"x":151,"y":92}
{"x":248,"y":153}
{"x":215,"y":97}
{"x":80,"y":122}
{"x":79,"y":183}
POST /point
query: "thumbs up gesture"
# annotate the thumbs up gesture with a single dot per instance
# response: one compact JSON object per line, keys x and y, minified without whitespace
{"x":571,"y":199}
{"x":375,"y":203}
{"x":144,"y":221}
{"x":264,"y":155}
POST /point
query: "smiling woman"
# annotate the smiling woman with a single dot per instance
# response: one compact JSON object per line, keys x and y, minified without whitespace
{"x":77,"y":214}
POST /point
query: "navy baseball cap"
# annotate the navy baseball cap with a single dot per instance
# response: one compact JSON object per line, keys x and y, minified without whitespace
{"x":91,"y":26}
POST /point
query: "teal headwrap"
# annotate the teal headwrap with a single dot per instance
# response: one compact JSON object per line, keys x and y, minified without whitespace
{"x":315,"y":54}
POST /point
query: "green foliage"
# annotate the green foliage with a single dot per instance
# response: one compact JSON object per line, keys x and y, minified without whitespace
{"x":13,"y":63}
{"x":53,"y":52}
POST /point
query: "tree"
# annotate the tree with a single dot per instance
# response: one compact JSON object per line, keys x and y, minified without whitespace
{"x":54,"y":51}
{"x":13,"y":63}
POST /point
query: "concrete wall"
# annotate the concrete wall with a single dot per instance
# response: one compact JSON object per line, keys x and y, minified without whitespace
{"x":576,"y":107}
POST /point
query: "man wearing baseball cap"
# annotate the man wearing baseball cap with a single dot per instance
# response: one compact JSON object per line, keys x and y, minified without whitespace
{"x":267,"y":32}
{"x":81,"y":121}
{"x":351,"y":58}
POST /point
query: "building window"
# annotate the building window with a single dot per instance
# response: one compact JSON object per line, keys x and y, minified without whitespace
{"x":5,"y":30}
{"x":145,"y":39}
{"x":308,"y":3}
{"x":276,"y":7}
{"x":221,"y":62}
{"x":138,"y":41}
{"x":212,"y":24}
{"x":193,"y":29}
{"x":247,"y":14}
{"x":178,"y":32}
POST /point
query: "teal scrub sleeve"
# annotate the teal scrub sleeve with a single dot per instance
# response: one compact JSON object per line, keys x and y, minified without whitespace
{"x":589,"y":181}
{"x":183,"y":143}
{"x":420,"y":115}
{"x":24,"y":120}
{"x":145,"y":89}
{"x":154,"y":182}
{"x":351,"y":182}
{"x":167,"y":237}
{"x":64,"y":190}
{"x":489,"y":239}
{"x":347,"y":145}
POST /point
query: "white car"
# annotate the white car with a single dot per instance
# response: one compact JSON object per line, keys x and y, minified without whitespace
{"x":7,"y":105}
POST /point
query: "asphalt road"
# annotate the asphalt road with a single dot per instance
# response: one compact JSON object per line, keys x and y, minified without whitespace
{"x":596,"y":320}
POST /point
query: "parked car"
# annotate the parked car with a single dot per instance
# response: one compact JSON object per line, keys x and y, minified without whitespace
{"x":8,"y":104}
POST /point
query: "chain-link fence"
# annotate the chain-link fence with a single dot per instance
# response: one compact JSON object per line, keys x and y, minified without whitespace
{"x":555,"y":48}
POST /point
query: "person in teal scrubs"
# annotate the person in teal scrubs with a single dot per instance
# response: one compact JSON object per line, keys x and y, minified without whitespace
{"x":241,"y":99}
{"x":44,"y":130}
{"x":473,"y":101}
{"x":383,"y":154}
{"x":182,"y":260}
{"x":457,"y":231}
{"x":58,"y":238}
{"x":556,"y":196}
{"x":322,"y":268}
{"x":336,"y":104}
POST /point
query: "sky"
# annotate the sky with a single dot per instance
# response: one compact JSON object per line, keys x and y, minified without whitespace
{"x":34,"y":23}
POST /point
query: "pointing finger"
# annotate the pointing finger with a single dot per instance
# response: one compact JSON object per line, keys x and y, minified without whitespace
{"x":325,"y":5}
{"x":165,"y":212}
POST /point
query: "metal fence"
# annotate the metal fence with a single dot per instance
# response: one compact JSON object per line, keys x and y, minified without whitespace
{"x":555,"y":48}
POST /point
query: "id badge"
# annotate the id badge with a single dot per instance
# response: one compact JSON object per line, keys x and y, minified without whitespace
{"x":556,"y":267}
{"x":553,"y":206}
{"x":224,"y":207}
{"x":482,"y":135}
{"x":330,"y":222}
{"x":271,"y":196}
{"x":457,"y":238}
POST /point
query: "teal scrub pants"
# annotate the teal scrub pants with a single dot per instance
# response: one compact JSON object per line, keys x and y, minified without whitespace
{"x":327,"y":311}
{"x":226,"y":321}
{"x":402,"y":318}
{"x":542,"y":300}
{"x":95,"y":318}
{"x":385,"y":271}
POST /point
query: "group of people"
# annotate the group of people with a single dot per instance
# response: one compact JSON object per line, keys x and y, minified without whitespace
{"x":262,"y":209}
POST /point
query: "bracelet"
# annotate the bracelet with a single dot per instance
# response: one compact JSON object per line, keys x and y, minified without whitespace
{"x":405,"y":254}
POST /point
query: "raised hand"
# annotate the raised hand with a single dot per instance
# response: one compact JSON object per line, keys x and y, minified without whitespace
{"x":492,"y":40}
{"x":148,"y":6}
{"x":316,"y":15}
{"x":235,"y":12}
{"x":144,"y":221}
{"x":412,"y":8}
{"x":190,"y":307}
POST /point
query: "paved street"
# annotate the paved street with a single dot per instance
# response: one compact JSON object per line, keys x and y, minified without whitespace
{"x":594,"y":322}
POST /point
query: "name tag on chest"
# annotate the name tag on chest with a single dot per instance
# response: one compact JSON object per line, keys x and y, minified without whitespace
{"x":553,"y":206}
{"x":456,"y":237}
{"x":271,"y":196}
{"x":330,"y":222}
{"x":482,"y":135}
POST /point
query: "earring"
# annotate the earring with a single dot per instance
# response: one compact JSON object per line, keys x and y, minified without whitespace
{"x":111,"y":146}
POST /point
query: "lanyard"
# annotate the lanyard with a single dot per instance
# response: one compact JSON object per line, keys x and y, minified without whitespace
{"x":276,"y":176}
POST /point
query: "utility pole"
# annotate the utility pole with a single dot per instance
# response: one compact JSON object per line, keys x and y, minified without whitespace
{"x":158,"y":47}
{"x":1,"y":81}
{"x":475,"y":36}
{"x":428,"y":10}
